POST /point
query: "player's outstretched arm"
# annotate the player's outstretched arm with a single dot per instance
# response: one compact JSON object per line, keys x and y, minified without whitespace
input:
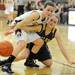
{"x":63,"y":48}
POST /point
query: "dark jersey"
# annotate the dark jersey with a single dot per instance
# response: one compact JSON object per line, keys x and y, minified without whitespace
{"x":48,"y":37}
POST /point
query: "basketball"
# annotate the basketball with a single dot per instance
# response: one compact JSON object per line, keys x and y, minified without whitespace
{"x":6,"y":48}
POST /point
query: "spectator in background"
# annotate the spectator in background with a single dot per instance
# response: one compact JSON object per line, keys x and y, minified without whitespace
{"x":64,"y":14}
{"x":33,"y":5}
{"x":20,"y":6}
{"x":40,"y":5}
{"x":27,"y":6}
{"x":9,"y":9}
{"x":58,"y":11}
{"x":61,"y":14}
{"x":30,"y":5}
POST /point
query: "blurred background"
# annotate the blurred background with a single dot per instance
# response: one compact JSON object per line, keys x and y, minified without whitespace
{"x":21,"y":6}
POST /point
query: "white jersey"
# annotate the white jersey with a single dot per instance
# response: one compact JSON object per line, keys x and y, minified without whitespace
{"x":28,"y":37}
{"x":26,"y":14}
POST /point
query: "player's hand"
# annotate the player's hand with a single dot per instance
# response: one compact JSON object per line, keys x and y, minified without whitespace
{"x":71,"y":60}
{"x":7,"y":33}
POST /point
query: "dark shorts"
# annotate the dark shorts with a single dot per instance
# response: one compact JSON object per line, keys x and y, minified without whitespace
{"x":43,"y":53}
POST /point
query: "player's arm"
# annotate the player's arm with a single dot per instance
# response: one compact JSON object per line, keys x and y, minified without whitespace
{"x":63,"y":48}
{"x":28,"y":20}
{"x":10,"y":30}
{"x":12,"y":26}
{"x":34,"y":28}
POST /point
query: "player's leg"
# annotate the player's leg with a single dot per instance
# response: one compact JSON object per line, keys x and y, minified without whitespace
{"x":35,"y":43}
{"x":34,"y":49}
{"x":47,"y":62}
{"x":19,"y":47}
{"x":44,"y":56}
{"x":22,"y":55}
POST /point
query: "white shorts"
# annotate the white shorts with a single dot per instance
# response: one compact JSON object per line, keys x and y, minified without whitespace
{"x":28,"y":37}
{"x":18,"y":38}
{"x":32,"y":37}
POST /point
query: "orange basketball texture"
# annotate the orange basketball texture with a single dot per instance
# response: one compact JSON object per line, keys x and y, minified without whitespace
{"x":6,"y":48}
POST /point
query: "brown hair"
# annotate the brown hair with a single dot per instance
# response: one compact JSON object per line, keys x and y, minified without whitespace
{"x":49,"y":3}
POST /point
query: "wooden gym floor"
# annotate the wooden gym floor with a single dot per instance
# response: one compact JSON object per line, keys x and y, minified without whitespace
{"x":59,"y":66}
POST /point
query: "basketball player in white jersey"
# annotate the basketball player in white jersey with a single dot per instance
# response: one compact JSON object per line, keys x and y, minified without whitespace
{"x":30,"y":19}
{"x":22,"y":38}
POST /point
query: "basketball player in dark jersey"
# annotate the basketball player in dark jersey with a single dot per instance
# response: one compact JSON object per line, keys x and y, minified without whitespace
{"x":49,"y":31}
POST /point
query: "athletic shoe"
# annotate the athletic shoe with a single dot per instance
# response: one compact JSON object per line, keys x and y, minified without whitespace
{"x":7,"y":68}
